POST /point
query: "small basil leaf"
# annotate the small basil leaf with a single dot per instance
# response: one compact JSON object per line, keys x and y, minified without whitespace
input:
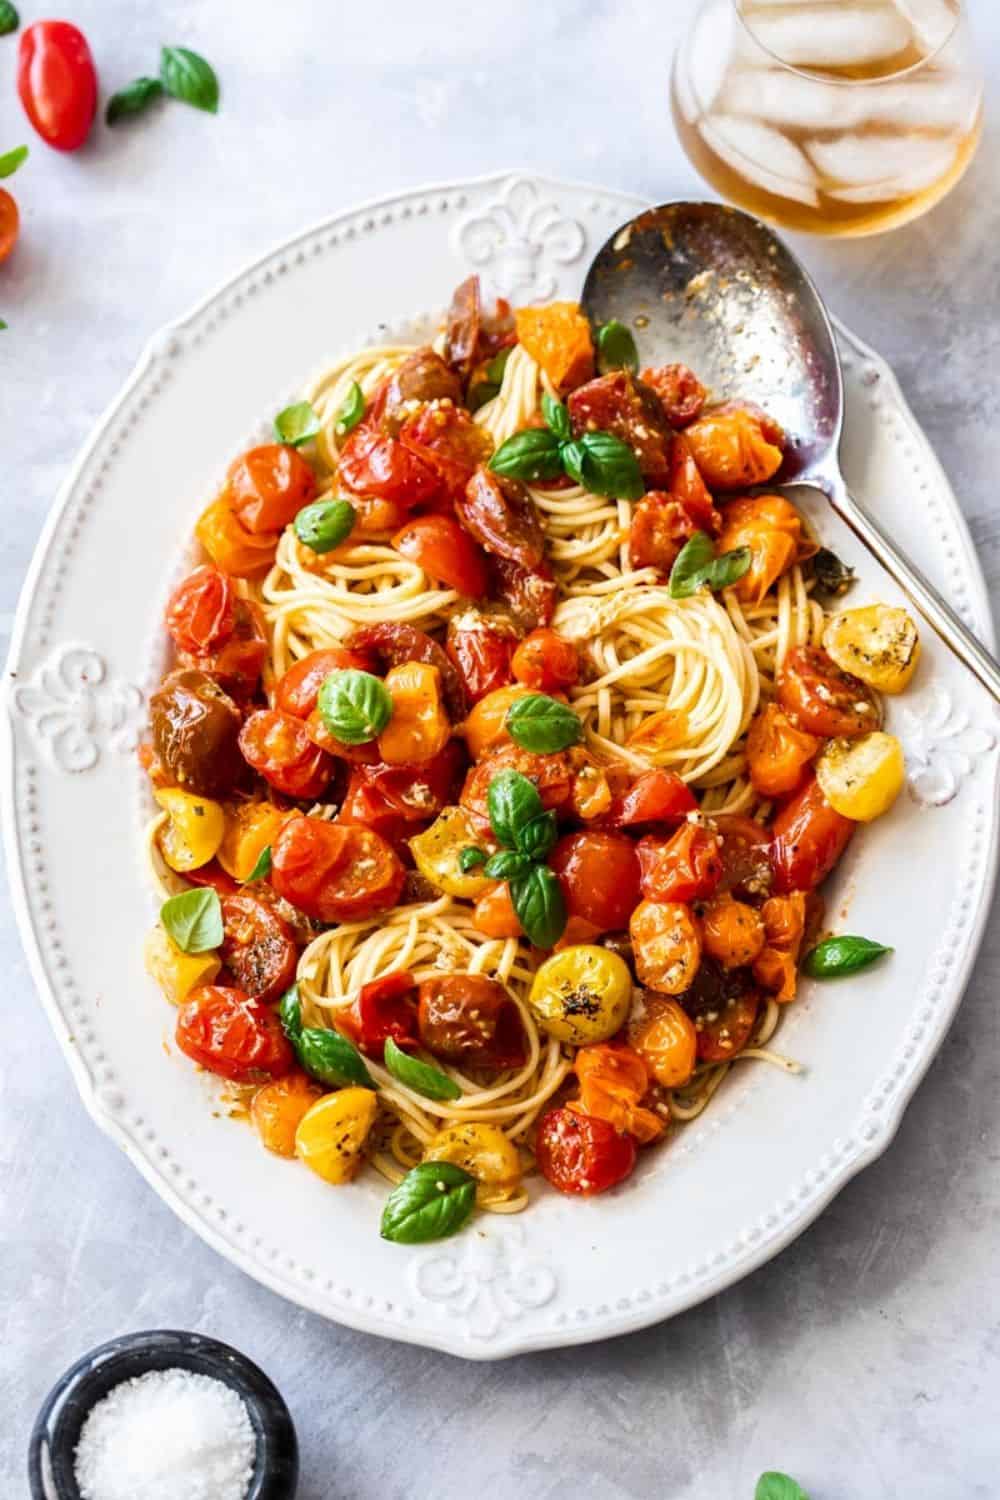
{"x":352,"y":409}
{"x":529,"y":455}
{"x":498,"y":364}
{"x":610,"y":467}
{"x":838,"y":956}
{"x":542,"y":724}
{"x":513,"y":801}
{"x":332,"y":1059}
{"x":132,"y":100}
{"x":354,"y":706}
{"x":2,"y":324}
{"x":775,"y":1486}
{"x":616,"y":348}
{"x":536,"y":838}
{"x":9,"y":20}
{"x":505,"y":864}
{"x":729,"y":568}
{"x":325,"y":524}
{"x":193,"y":920}
{"x":262,"y":868}
{"x":471,"y":858}
{"x":574,"y":457}
{"x":832,"y":576}
{"x":296,"y":424}
{"x":11,"y":160}
{"x":433,"y":1201}
{"x":419,"y":1076}
{"x":489,"y":383}
{"x":290,"y":1014}
{"x":188,"y":77}
{"x":696,"y":565}
{"x":538,"y":904}
{"x":556,"y":416}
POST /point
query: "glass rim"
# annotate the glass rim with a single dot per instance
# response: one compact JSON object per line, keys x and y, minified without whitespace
{"x":851,"y":83}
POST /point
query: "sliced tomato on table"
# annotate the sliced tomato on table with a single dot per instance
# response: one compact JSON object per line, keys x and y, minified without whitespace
{"x":278,"y":746}
{"x":335,"y":872}
{"x":687,"y":866}
{"x":268,"y":486}
{"x":230,"y":1034}
{"x":471,"y":1019}
{"x":582,"y":1154}
{"x":599,"y":875}
{"x":808,"y":838}
{"x":446,"y":551}
{"x":257,"y":947}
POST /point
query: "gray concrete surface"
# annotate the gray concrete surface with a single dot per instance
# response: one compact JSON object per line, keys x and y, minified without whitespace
{"x":866,"y":1359}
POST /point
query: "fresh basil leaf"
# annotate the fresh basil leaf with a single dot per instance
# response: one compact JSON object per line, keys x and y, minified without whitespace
{"x":609,"y":467}
{"x":839,"y":956}
{"x":697,"y":566}
{"x":538,"y":904}
{"x":3,"y":325}
{"x":543,"y":724}
{"x":132,"y":100}
{"x":419,"y":1076}
{"x":616,"y":348}
{"x":262,"y":868}
{"x":352,"y":409}
{"x":11,"y":160}
{"x":498,"y":365}
{"x":832,"y":576}
{"x":325,"y":524}
{"x":290,"y":1014}
{"x":775,"y":1486}
{"x":471,"y":858}
{"x":573,"y":457}
{"x":529,"y":455}
{"x":505,"y":864}
{"x":9,"y":21}
{"x":296,"y":424}
{"x":188,"y":77}
{"x":433,"y":1201}
{"x":354,"y":706}
{"x":694,"y":557}
{"x":488,"y":385}
{"x":513,"y":801}
{"x":193,"y":920}
{"x":332,"y":1059}
{"x":556,"y":416}
{"x":536,"y":838}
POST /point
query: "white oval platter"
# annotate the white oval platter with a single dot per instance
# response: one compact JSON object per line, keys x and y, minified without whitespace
{"x":731,"y":1190}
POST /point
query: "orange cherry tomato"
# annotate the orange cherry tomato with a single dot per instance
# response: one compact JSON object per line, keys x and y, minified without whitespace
{"x":808,"y":838}
{"x":279,"y":748}
{"x":493,"y":914}
{"x":470,"y":1018}
{"x":201,"y":611}
{"x":680,"y":391}
{"x":688,"y":488}
{"x":481,"y":648}
{"x":599,"y":875}
{"x":660,"y":527}
{"x":230,"y":1034}
{"x":552,"y":775}
{"x":557,"y":336}
{"x":771,"y":528}
{"x":394,"y":644}
{"x":823,"y":700}
{"x":57,"y":82}
{"x":613,"y":1079}
{"x":268,"y":486}
{"x":724,"y":1032}
{"x":736,"y":446}
{"x":582,"y":1154}
{"x":687,"y":866}
{"x":229,"y":544}
{"x":297,"y":691}
{"x":450,"y":443}
{"x":776,"y":966}
{"x":778,"y":753}
{"x":731,"y":932}
{"x":335,"y":872}
{"x":663,"y":1035}
{"x":657,"y":796}
{"x":380,"y":467}
{"x":545,"y":662}
{"x":10,"y":221}
{"x":446,"y":551}
{"x":386,"y":1007}
{"x":486,"y":725}
{"x":419,"y":728}
{"x":277,"y":1108}
{"x":666,"y":945}
{"x":257,"y":947}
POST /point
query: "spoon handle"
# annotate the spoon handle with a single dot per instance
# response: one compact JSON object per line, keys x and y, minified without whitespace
{"x":956,"y":636}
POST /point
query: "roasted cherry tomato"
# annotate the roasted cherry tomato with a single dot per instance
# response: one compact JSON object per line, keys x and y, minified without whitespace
{"x":481,"y":647}
{"x":471,"y":1019}
{"x":279,"y":748}
{"x":736,"y":446}
{"x":230,"y":1034}
{"x":808,"y":838}
{"x":770,"y":528}
{"x":57,"y":82}
{"x":501,"y":515}
{"x":529,"y":593}
{"x":821,"y":699}
{"x":214,"y":876}
{"x":201,"y":611}
{"x":778,"y":754}
{"x":364,"y":806}
{"x":776,"y":966}
{"x":580,"y":1153}
{"x":494,"y":915}
{"x":551,"y":774}
{"x":461,"y":335}
{"x":334,"y":871}
{"x":258,"y":947}
{"x":386,"y":1007}
{"x":681,"y":393}
{"x":444,"y":550}
{"x":666,"y":945}
{"x":663,"y":1035}
{"x":746,"y":855}
{"x":687,"y":487}
{"x":194,"y":829}
{"x":278,"y":1108}
{"x":423,"y":376}
{"x":230,"y":545}
{"x":621,"y":404}
{"x":378,"y":466}
{"x":196,"y":728}
{"x":731,"y":932}
{"x":239,"y":661}
{"x":879,"y":644}
{"x":657,"y":796}
{"x":581,"y":994}
{"x":268,"y":486}
{"x":687,"y":866}
{"x":420,"y":791}
{"x":394,"y":644}
{"x":419,"y":728}
{"x":613,"y":1079}
{"x":599,"y":875}
{"x":546,"y":662}
{"x":297,"y":691}
{"x":660,"y":527}
{"x":725,"y":1032}
{"x":450,"y":443}
{"x":557,"y":336}
{"x":10,"y":221}
{"x":249,"y":829}
{"x":486,"y":726}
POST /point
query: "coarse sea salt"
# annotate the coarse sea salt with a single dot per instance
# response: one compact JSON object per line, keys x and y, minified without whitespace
{"x":167,"y":1435}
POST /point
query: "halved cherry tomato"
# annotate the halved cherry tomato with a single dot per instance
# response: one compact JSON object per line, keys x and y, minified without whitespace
{"x":663,"y":1035}
{"x":470,"y":1018}
{"x":277,"y":1110}
{"x":784,"y":923}
{"x":57,"y":82}
{"x":557,"y":335}
{"x":546,"y":662}
{"x":657,"y":796}
{"x":599,"y":875}
{"x":582,"y":1154}
{"x":503,"y":518}
{"x":481,"y":647}
{"x":725,"y":1032}
{"x":660,"y":527}
{"x":268,"y":486}
{"x":613,"y":1078}
{"x":493,"y":914}
{"x":239,"y":661}
{"x":666,"y":945}
{"x":809,"y":837}
{"x":384,"y":1008}
{"x":746,"y":855}
{"x":770,"y":527}
{"x":736,"y":446}
{"x":486,"y":726}
{"x":257,"y":947}
{"x":777,"y":752}
{"x":10,"y":221}
{"x":821,"y":699}
{"x":380,"y":467}
{"x":230,"y":1034}
{"x":594,"y":785}
{"x":621,"y":404}
{"x":297,"y":691}
{"x":363,"y":806}
{"x":230,"y":545}
{"x":355,"y":755}
{"x":335,"y":872}
{"x":279,"y":748}
{"x":423,"y":376}
{"x":394,"y":644}
{"x":687,"y":487}
{"x":446,"y":551}
{"x":687,"y":866}
{"x":529,"y":593}
{"x":201,"y":611}
{"x":680,"y":391}
{"x":731,"y":932}
{"x":419,"y":727}
{"x":450,"y":443}
{"x":419,"y":791}
{"x":551,"y":774}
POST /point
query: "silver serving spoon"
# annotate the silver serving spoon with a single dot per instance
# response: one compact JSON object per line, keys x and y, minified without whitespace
{"x":714,"y":288}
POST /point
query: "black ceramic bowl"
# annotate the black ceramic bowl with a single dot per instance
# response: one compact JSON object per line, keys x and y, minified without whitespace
{"x":57,"y":1428}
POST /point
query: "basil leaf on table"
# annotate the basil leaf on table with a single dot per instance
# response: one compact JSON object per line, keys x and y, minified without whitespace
{"x":262,"y":868}
{"x":556,"y":416}
{"x":529,"y":455}
{"x":839,"y":956}
{"x":132,"y":100}
{"x":419,"y":1076}
{"x":537,"y":836}
{"x":331,"y":1058}
{"x":352,"y":409}
{"x":290,"y":1014}
{"x":471,"y":858}
{"x":513,"y":801}
{"x":9,"y":18}
{"x":193,"y":920}
{"x":697,"y":565}
{"x":538,"y":904}
{"x":296,"y":424}
{"x":2,"y":324}
{"x":543,"y":724}
{"x":616,"y":348}
{"x":433,"y":1201}
{"x":606,"y":466}
{"x":506,"y":864}
{"x":325,"y":524}
{"x":775,"y":1486}
{"x":354,"y":706}
{"x":11,"y":160}
{"x":188,"y":77}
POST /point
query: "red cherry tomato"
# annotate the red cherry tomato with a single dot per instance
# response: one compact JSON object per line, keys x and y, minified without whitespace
{"x":385,"y":1008}
{"x":500,"y":513}
{"x":201,"y":611}
{"x":279,"y":747}
{"x":656,"y":796}
{"x":57,"y":82}
{"x":363,"y":806}
{"x":214,"y":876}
{"x":726,"y":1030}
{"x":393,"y":645}
{"x":449,"y":442}
{"x":821,"y":699}
{"x":444,"y":550}
{"x":257,"y":947}
{"x":481,"y":648}
{"x":10,"y":221}
{"x":239,"y":661}
{"x":551,"y":774}
{"x":418,"y":792}
{"x":297,"y":691}
{"x":687,"y":866}
{"x":580,"y":1153}
{"x":470,"y":1018}
{"x":660,"y":527}
{"x":746,"y":855}
{"x":681,"y":393}
{"x":268,"y":486}
{"x":599,"y":875}
{"x":529,"y":593}
{"x":335,"y":872}
{"x":621,"y":404}
{"x":230,"y":1034}
{"x":375,"y":465}
{"x":808,"y":838}
{"x":546,"y":662}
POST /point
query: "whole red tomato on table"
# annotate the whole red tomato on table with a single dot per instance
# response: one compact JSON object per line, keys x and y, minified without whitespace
{"x":57,"y":82}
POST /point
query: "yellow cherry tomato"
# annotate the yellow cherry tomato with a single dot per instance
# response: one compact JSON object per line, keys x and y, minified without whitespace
{"x":332,"y":1133}
{"x":485,"y":1153}
{"x":878,"y":644}
{"x":436,"y":852}
{"x":862,"y":778}
{"x":175,"y":972}
{"x":193,"y":835}
{"x":581,"y":994}
{"x":278,"y":1108}
{"x":250,"y":828}
{"x":419,"y":727}
{"x":486,"y":725}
